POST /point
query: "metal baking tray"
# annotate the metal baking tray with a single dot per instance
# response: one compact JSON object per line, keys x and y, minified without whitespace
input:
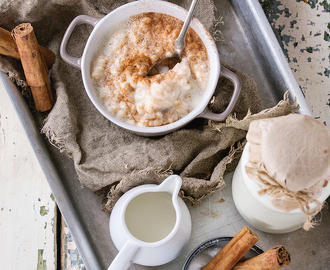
{"x":250,"y":46}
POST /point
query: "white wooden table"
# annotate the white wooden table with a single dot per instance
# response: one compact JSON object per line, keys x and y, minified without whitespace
{"x":31,"y":228}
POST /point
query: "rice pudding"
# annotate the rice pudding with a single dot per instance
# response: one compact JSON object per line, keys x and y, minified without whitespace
{"x":126,"y":54}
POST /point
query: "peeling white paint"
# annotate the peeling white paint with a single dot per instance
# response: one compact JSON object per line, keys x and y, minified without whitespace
{"x":23,"y":192}
{"x":304,"y":28}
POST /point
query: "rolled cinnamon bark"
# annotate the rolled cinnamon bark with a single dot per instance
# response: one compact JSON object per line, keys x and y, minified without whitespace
{"x":8,"y":47}
{"x":273,"y":259}
{"x":235,"y":249}
{"x":34,"y":66}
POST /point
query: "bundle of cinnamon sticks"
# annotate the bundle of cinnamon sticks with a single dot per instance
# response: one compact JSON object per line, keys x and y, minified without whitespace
{"x":22,"y":44}
{"x":230,"y":255}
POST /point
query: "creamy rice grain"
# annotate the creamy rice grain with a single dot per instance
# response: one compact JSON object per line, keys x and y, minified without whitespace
{"x":125,"y":56}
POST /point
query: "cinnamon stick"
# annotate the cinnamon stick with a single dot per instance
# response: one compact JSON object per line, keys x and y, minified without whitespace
{"x":273,"y":259}
{"x":34,"y":66}
{"x":8,"y":47}
{"x":234,"y":250}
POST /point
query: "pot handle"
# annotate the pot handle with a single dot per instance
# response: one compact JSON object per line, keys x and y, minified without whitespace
{"x":75,"y":61}
{"x":123,"y":260}
{"x":225,"y":72}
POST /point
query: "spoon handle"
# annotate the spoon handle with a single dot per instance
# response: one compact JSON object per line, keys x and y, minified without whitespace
{"x":180,"y":41}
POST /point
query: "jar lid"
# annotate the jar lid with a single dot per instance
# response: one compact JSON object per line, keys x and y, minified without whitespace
{"x":294,"y":150}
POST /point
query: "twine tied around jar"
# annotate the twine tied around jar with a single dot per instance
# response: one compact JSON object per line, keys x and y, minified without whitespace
{"x":272,"y":188}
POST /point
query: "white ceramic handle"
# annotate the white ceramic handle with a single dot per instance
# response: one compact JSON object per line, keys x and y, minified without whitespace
{"x":74,"y":61}
{"x":225,"y":72}
{"x":123,"y":260}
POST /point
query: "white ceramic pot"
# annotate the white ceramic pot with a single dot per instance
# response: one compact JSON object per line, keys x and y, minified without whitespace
{"x":102,"y":27}
{"x":258,"y":210}
{"x":125,"y":232}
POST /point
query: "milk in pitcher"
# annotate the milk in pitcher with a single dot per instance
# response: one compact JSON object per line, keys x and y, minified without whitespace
{"x":150,"y":216}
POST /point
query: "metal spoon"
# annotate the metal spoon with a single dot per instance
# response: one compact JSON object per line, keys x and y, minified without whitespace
{"x":168,"y":63}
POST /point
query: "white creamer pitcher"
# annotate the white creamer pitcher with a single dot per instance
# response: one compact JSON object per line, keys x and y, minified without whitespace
{"x":150,"y":225}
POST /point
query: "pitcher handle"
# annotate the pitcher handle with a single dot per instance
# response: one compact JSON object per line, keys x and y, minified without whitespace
{"x":74,"y":61}
{"x":225,"y":72}
{"x":123,"y":260}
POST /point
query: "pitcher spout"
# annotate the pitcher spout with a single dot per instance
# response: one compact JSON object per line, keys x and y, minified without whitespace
{"x":171,"y":185}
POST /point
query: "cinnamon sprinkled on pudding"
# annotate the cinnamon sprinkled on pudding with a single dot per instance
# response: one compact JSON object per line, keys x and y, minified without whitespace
{"x":126,"y":55}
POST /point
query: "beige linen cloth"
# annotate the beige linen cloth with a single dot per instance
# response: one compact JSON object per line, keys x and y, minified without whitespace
{"x":111,"y":160}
